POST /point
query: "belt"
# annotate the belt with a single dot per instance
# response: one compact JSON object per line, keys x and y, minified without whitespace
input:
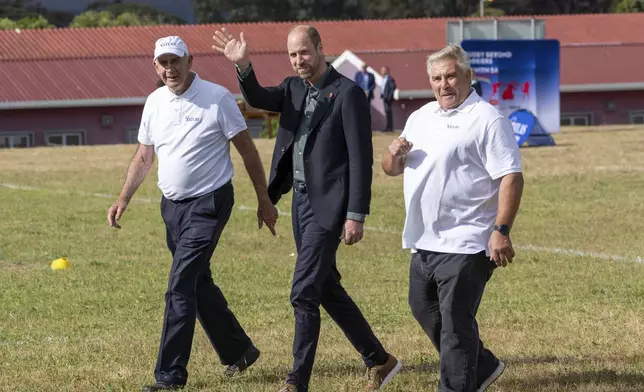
{"x":299,"y":186}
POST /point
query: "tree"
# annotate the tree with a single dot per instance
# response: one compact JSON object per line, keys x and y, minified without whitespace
{"x":93,"y":19}
{"x":564,"y":7}
{"x":28,"y":22}
{"x":34,"y":22}
{"x":130,"y":19}
{"x":15,"y":9}
{"x":392,"y":9}
{"x":8,"y":24}
{"x":209,"y":11}
{"x":107,"y":19}
{"x":628,"y":6}
{"x":144,"y":12}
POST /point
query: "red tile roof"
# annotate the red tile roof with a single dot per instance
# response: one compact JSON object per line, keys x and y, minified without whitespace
{"x":261,"y":37}
{"x":357,"y":36}
{"x":77,"y":64}
{"x":131,"y":77}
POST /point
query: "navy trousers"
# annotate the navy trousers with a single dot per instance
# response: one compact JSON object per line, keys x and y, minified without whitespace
{"x":445,"y":291}
{"x":389,"y":115}
{"x":193,"y":228}
{"x":316,"y":281}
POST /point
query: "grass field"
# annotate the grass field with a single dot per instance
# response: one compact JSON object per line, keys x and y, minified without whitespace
{"x":563,"y":321}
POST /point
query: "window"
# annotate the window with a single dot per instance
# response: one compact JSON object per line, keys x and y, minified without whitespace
{"x":578,"y":119}
{"x":132,"y":135}
{"x":637,"y":117}
{"x":107,"y":120}
{"x":64,"y":139}
{"x":20,"y":140}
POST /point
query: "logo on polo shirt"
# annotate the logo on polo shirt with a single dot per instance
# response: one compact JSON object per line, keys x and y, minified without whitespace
{"x":452,"y":126}
{"x":193,"y":119}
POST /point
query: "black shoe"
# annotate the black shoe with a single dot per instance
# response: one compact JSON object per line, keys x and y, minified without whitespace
{"x":249,"y":358}
{"x":492,"y":377}
{"x":162,"y":386}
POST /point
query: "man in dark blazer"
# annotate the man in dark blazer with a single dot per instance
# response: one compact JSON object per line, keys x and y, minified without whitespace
{"x":366,"y":81}
{"x":387,"y":94}
{"x":324,"y":153}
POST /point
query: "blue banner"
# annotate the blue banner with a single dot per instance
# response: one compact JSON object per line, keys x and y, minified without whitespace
{"x":521,"y":79}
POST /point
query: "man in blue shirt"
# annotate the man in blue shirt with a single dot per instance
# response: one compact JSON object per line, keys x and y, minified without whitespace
{"x":366,"y":81}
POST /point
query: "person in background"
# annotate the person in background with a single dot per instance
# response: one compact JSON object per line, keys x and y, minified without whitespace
{"x":366,"y":81}
{"x":387,"y":94}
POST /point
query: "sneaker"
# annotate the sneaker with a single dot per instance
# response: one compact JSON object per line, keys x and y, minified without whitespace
{"x":288,"y":388}
{"x":380,"y":375}
{"x":249,"y":358}
{"x":493,"y":377}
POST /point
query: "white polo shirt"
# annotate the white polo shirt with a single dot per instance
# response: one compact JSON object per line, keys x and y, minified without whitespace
{"x":190,"y":134}
{"x":452,"y":175}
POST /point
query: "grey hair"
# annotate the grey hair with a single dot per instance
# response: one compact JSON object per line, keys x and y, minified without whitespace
{"x":451,"y":51}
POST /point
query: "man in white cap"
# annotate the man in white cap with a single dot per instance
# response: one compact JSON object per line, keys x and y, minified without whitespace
{"x":189,"y":123}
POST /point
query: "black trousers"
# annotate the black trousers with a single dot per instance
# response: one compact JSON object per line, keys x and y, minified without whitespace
{"x":316,"y":281}
{"x":193,"y":228}
{"x":390,"y":116}
{"x":445,"y":291}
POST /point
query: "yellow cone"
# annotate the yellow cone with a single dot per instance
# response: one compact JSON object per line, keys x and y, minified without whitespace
{"x":61,"y":263}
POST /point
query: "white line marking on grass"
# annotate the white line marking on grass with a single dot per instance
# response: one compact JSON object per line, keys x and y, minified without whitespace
{"x":572,"y":252}
{"x":385,"y":230}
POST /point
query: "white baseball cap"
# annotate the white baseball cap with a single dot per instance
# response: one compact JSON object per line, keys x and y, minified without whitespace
{"x":172,"y":44}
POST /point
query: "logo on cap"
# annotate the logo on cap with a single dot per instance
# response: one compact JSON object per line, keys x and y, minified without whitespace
{"x":170,"y":45}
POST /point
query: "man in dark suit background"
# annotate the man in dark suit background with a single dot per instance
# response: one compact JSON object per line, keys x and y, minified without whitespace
{"x":366,"y":81}
{"x":324,"y":153}
{"x":387,"y":94}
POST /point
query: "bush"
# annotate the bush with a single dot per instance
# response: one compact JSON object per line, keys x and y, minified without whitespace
{"x":270,"y":128}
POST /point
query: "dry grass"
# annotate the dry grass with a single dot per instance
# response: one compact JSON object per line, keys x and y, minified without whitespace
{"x":562,"y":322}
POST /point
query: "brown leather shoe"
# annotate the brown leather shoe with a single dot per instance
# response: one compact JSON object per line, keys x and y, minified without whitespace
{"x":380,"y":375}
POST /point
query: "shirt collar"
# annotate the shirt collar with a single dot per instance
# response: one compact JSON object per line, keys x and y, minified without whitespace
{"x":465,"y":107}
{"x":320,"y":83}
{"x":187,"y":95}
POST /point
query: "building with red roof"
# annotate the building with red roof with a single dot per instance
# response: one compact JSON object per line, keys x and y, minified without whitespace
{"x":88,"y":86}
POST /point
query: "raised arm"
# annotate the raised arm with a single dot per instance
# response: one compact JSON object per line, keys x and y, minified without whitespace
{"x":394,"y":157}
{"x":266,"y":98}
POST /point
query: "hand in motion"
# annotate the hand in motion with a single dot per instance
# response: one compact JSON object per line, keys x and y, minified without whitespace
{"x":352,"y":232}
{"x":115,"y":212}
{"x":235,"y":50}
{"x":501,"y":250}
{"x":400,"y":147}
{"x":267,"y":214}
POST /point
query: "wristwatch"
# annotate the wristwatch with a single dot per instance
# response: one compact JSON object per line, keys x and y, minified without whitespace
{"x":503,"y":229}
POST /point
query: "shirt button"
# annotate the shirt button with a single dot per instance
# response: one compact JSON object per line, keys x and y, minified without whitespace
{"x":300,"y":153}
